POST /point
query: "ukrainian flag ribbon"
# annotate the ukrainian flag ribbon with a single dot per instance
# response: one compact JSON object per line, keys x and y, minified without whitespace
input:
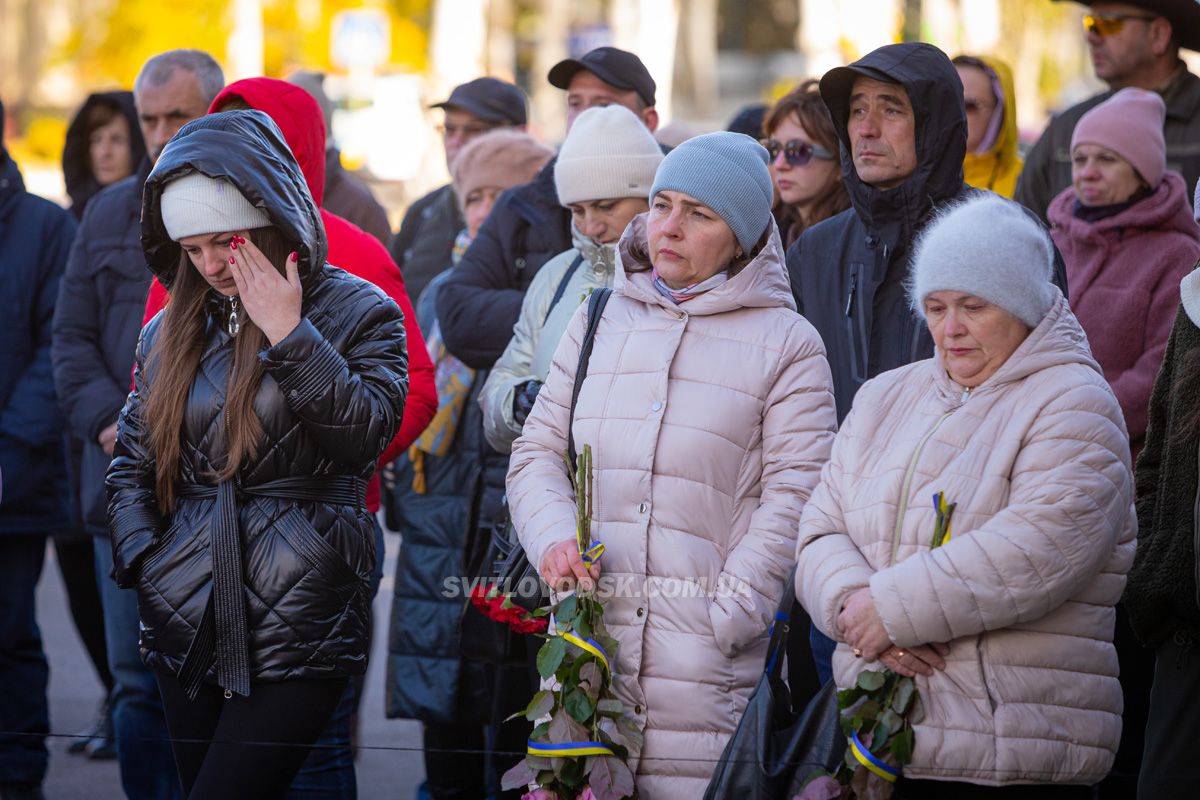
{"x":592,"y":554}
{"x":568,"y":749}
{"x":871,"y":761}
{"x":591,"y":646}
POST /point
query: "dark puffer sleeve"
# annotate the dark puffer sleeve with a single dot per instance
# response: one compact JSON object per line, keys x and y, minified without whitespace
{"x":351,"y":403}
{"x":133,"y":515}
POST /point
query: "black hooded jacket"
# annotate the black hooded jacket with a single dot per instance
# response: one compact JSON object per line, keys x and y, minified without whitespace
{"x":281,"y":557}
{"x":848,"y":272}
{"x":76,"y":160}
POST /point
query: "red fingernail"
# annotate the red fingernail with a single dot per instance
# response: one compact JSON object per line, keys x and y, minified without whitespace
{"x":233,"y":245}
{"x":295,"y":257}
{"x":231,"y":259}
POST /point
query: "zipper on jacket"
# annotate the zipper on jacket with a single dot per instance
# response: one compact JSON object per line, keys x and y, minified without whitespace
{"x":850,"y":296}
{"x":912,"y":466}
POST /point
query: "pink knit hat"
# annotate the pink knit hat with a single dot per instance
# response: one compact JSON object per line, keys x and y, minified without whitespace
{"x":1130,"y":123}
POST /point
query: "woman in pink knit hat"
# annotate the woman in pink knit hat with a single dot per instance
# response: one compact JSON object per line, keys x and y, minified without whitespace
{"x":1127,"y":236}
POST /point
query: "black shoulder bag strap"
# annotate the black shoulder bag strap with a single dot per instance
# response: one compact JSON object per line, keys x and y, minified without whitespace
{"x":562,"y":285}
{"x":596,"y":303}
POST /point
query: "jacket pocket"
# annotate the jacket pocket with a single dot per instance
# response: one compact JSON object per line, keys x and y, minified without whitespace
{"x":159,"y":547}
{"x":322,"y":557}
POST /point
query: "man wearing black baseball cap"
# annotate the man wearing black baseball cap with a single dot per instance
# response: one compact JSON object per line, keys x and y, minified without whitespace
{"x":426,"y":236}
{"x":1135,"y":43}
{"x":479,"y":305}
{"x":594,"y":77}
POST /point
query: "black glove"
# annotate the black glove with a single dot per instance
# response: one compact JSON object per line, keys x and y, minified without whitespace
{"x":523,"y":399}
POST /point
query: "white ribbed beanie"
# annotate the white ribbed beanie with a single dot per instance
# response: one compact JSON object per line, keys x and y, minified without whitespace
{"x":196,"y":204}
{"x":988,"y":247}
{"x":608,"y":154}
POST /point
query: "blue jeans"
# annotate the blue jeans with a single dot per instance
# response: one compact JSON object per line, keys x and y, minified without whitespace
{"x":143,"y":747}
{"x":822,"y":651}
{"x":328,"y":771}
{"x":24,"y":673}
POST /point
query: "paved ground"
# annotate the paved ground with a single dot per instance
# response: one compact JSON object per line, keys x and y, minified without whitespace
{"x":389,"y":761}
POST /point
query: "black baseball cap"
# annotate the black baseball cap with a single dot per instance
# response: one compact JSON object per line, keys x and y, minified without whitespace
{"x":490,"y":99}
{"x":615,"y":67}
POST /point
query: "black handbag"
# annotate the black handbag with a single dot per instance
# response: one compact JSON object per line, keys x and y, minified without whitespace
{"x":777,"y":747}
{"x":482,"y":638}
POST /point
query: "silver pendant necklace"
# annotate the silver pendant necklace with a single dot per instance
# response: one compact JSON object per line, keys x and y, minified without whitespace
{"x":235,"y":324}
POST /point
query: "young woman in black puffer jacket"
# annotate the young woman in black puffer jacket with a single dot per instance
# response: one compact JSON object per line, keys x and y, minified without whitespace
{"x":263,"y":395}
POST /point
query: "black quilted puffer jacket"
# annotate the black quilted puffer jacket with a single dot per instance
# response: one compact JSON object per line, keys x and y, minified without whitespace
{"x":263,"y":578}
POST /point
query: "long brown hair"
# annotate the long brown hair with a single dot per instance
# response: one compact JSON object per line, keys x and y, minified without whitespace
{"x":805,"y":104}
{"x":175,"y":359}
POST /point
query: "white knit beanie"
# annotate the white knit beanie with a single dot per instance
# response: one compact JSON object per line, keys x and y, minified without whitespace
{"x":608,"y":154}
{"x":988,"y":247}
{"x":196,"y":203}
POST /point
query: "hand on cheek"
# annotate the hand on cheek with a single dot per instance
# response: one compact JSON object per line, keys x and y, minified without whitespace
{"x":271,"y":300}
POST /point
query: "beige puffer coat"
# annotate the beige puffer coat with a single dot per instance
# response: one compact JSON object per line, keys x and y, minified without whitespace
{"x":1037,"y":459}
{"x":709,"y":423}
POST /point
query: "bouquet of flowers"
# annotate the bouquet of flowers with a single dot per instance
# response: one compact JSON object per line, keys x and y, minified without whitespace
{"x":496,"y":605}
{"x":877,"y":717}
{"x":579,"y":750}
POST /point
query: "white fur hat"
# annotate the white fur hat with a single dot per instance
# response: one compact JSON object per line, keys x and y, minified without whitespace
{"x":196,"y":203}
{"x":988,"y":247}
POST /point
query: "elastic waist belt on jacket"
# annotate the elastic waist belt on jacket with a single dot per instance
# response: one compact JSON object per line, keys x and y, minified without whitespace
{"x":222,"y":631}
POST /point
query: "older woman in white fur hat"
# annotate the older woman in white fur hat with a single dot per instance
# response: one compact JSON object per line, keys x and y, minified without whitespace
{"x":1007,"y":626}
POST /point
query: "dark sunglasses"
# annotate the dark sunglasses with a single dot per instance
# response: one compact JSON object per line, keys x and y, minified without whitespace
{"x":796,"y":152}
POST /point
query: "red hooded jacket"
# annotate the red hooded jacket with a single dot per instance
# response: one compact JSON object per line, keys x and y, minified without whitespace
{"x":299,"y":118}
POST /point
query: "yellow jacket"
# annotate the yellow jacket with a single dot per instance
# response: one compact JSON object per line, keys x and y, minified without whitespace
{"x":999,"y":167}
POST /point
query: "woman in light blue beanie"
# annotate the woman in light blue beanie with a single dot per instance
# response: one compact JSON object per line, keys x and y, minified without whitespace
{"x":727,"y":174}
{"x":708,"y":405}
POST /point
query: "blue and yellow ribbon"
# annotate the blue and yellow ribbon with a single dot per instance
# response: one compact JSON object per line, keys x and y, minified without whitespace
{"x":592,"y":554}
{"x":591,"y":646}
{"x":943,"y":513}
{"x":568,"y":749}
{"x":871,"y":761}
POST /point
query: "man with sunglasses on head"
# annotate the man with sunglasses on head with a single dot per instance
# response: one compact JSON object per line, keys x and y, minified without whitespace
{"x":422,"y":245}
{"x":1136,"y":44}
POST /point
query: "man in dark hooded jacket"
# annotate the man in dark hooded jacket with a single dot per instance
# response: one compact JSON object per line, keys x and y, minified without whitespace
{"x":899,"y":116}
{"x":900,"y":119}
{"x":35,"y":236}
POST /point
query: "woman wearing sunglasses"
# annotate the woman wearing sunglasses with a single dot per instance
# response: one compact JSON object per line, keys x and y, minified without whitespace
{"x":992,"y":161}
{"x":804,"y":164}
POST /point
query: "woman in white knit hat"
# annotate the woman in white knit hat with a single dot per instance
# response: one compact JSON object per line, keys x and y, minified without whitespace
{"x":604,"y":172}
{"x":1007,"y":625}
{"x":263,"y":395}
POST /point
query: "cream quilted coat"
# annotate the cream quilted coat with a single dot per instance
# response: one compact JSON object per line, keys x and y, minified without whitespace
{"x":710,"y":422}
{"x":1037,"y":459}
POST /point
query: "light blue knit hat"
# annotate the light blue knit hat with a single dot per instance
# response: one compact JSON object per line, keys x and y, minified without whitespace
{"x":728,"y":173}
